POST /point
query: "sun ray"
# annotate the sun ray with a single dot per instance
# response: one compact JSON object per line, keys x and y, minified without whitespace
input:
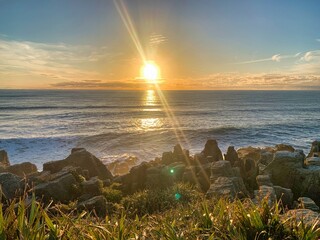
{"x":151,"y":73}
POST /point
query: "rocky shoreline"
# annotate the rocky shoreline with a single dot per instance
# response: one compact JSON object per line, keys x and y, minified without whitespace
{"x":279,"y":173}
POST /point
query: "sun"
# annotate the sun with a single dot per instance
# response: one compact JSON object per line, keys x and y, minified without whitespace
{"x":150,"y":72}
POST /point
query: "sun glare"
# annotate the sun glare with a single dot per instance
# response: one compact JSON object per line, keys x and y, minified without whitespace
{"x":150,"y":72}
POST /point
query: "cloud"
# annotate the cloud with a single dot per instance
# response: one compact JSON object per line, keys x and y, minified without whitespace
{"x":249,"y":81}
{"x":275,"y":58}
{"x":59,"y":61}
{"x":156,"y":40}
{"x":98,"y":84}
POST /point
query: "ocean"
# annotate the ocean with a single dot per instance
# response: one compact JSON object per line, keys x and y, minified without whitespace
{"x":43,"y":125}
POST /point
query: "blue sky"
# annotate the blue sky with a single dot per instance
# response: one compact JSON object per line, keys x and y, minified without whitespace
{"x":202,"y":44}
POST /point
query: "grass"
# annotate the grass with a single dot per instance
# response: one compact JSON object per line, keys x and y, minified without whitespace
{"x":178,"y":212}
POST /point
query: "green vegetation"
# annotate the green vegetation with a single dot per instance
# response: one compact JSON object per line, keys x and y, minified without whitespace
{"x":178,"y":212}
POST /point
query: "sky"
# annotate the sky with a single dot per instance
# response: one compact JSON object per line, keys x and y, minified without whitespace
{"x":197,"y":44}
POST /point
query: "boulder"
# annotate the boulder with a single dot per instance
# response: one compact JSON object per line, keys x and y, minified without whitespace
{"x":307,"y":216}
{"x":264,"y":180}
{"x":63,"y":189}
{"x":11,"y":185}
{"x":287,"y":170}
{"x":307,"y":203}
{"x":265,"y":193}
{"x":22,"y":169}
{"x":284,"y":147}
{"x":83,"y":159}
{"x":121,"y":167}
{"x":168,"y":158}
{"x":312,"y":161}
{"x":221,"y":169}
{"x":229,"y":187}
{"x":250,"y":153}
{"x":98,"y":204}
{"x":232,"y":155}
{"x":4,"y":160}
{"x":93,"y":186}
{"x":266,"y":157}
{"x":285,"y":195}
{"x":315,"y":149}
{"x":225,"y":181}
{"x":211,"y":149}
{"x":135,"y":180}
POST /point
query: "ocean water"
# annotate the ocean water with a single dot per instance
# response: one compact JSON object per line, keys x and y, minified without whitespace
{"x":40,"y":126}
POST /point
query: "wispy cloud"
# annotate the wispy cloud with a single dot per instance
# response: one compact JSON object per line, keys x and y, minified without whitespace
{"x":98,"y":84}
{"x":60,"y":61}
{"x":156,"y":40}
{"x":238,"y":81}
{"x":275,"y":58}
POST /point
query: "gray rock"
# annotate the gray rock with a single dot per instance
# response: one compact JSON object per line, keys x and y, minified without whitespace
{"x":82,"y":159}
{"x":22,"y":169}
{"x":232,"y":155}
{"x":265,"y":193}
{"x":315,"y":149}
{"x":307,"y":216}
{"x":225,"y":181}
{"x":211,"y":149}
{"x":97,"y":204}
{"x":266,"y":157}
{"x":264,"y":180}
{"x":11,"y":185}
{"x":62,"y":189}
{"x":307,"y":203}
{"x":221,"y":169}
{"x":93,"y":186}
{"x":4,"y":160}
{"x":312,"y":161}
{"x":229,"y":187}
{"x":285,"y":195}
{"x":284,"y":147}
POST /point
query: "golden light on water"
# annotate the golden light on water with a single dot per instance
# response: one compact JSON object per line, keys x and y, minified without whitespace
{"x":150,"y":72}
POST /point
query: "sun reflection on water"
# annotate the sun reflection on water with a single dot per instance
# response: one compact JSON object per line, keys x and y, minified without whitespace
{"x":150,"y":100}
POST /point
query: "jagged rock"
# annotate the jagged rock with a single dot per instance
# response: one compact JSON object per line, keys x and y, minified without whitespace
{"x":221,"y":169}
{"x":315,"y":149}
{"x":122,"y":167}
{"x":264,"y":180}
{"x":232,"y":155}
{"x":265,"y":193}
{"x":285,"y":195}
{"x":261,"y":168}
{"x":93,"y":186}
{"x":167,"y":158}
{"x":11,"y":185}
{"x":284,"y":147}
{"x":73,"y":150}
{"x":307,"y":216}
{"x":135,"y":180}
{"x":230,"y":187}
{"x":312,"y":161}
{"x":250,"y":153}
{"x":63,"y":189}
{"x":177,"y":150}
{"x":266,"y":157}
{"x":4,"y":160}
{"x":80,"y":158}
{"x":211,"y":149}
{"x":287,"y":170}
{"x":22,"y":169}
{"x":97,"y":204}
{"x":307,"y":203}
{"x":225,"y":181}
